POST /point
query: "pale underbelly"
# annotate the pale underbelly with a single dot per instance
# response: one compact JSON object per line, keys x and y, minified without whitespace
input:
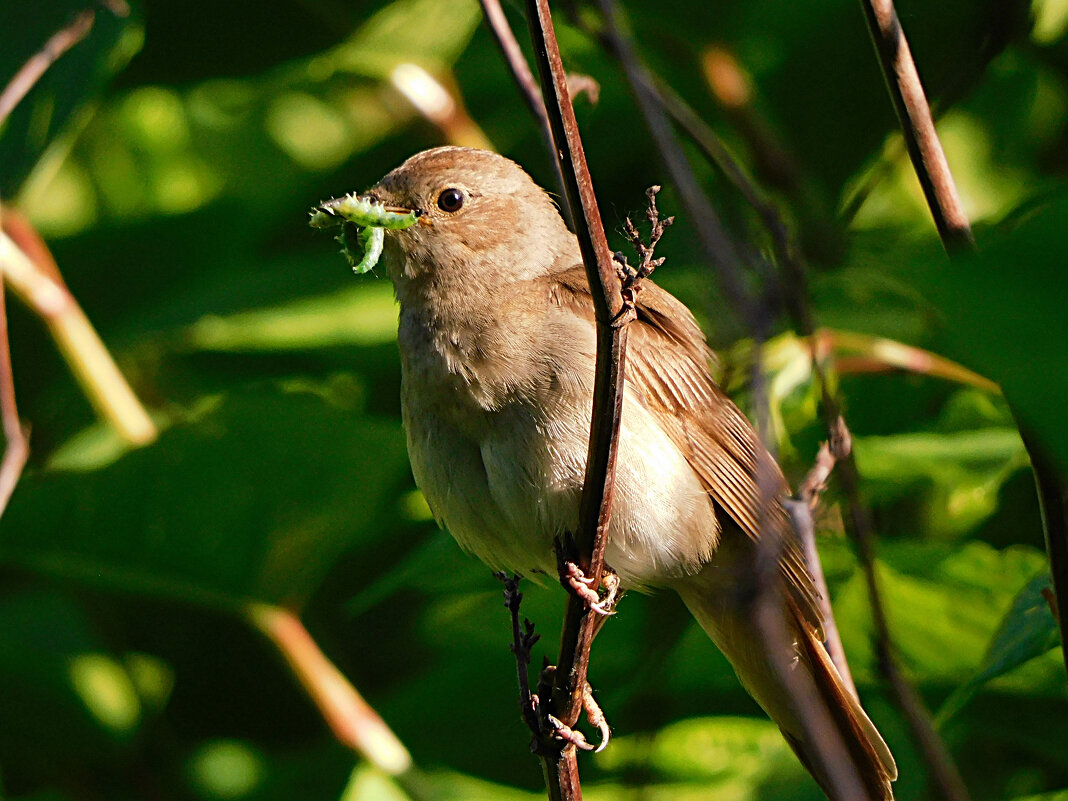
{"x":507,"y":488}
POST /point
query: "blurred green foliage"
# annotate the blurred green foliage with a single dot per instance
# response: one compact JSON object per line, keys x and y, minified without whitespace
{"x":170,"y":159}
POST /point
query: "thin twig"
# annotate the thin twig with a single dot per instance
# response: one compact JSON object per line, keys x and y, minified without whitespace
{"x":917,"y":124}
{"x":30,"y":72}
{"x":716,"y":242}
{"x":801,"y":514}
{"x":823,"y":735}
{"x":352,"y":720}
{"x":527,"y":83}
{"x":16,"y":437}
{"x":86,"y":355}
{"x":709,"y":143}
{"x":786,"y":251}
{"x":580,"y":622}
{"x":523,"y":639}
{"x":795,"y":297}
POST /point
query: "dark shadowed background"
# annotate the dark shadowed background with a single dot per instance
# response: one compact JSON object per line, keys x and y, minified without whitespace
{"x":170,"y":159}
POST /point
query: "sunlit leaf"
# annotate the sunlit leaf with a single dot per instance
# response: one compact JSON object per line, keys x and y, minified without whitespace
{"x":253,"y":499}
{"x":964,"y":471}
{"x":1028,"y":630}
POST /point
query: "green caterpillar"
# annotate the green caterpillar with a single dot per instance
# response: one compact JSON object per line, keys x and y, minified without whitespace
{"x":363,"y":221}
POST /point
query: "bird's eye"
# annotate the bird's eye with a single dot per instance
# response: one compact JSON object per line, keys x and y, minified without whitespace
{"x":450,"y":200}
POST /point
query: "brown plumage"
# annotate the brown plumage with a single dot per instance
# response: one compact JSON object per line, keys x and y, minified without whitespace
{"x":497,"y":349}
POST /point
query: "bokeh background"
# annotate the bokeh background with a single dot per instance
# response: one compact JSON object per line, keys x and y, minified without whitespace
{"x":169,"y":161}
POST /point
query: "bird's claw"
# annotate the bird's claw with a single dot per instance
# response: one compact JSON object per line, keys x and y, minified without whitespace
{"x":582,"y":586}
{"x":595,"y":717}
{"x":571,"y":736}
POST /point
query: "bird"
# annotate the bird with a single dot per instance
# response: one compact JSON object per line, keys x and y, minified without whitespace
{"x":496,"y":336}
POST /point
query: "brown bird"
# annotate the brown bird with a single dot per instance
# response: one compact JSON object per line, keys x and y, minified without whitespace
{"x":497,"y":346}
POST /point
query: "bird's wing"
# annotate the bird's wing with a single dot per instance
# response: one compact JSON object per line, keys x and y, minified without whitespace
{"x":667,"y":365}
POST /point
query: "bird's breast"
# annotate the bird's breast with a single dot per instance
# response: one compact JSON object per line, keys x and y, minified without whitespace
{"x":498,"y":443}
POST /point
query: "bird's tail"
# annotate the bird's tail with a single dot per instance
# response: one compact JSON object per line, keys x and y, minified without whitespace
{"x":742,"y":643}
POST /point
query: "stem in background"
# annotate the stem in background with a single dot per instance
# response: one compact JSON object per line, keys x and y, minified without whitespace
{"x":16,"y":440}
{"x":80,"y":345}
{"x":525,"y":80}
{"x":30,"y":72}
{"x":917,"y":125}
{"x":825,"y":738}
{"x":440,"y":104}
{"x":1053,"y":497}
{"x":715,"y":240}
{"x":765,"y":608}
{"x":929,"y":162}
{"x":803,"y":523}
{"x":801,"y":516}
{"x":580,"y":623}
{"x":352,"y":720}
{"x":795,"y":295}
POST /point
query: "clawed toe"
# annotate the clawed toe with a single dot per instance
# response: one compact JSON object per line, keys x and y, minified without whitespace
{"x":596,"y":718}
{"x":582,"y":586}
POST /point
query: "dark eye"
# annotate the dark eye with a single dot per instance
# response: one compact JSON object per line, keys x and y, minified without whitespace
{"x":450,"y":200}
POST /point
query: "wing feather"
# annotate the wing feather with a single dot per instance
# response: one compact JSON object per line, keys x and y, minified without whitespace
{"x":668,"y":365}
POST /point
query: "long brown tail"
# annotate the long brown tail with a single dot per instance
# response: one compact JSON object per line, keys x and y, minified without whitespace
{"x":875,"y":764}
{"x":741,"y":643}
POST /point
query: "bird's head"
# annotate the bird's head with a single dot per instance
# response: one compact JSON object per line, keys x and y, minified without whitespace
{"x":483,"y":221}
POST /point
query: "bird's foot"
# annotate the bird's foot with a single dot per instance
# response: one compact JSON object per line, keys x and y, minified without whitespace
{"x":582,"y":586}
{"x":593,"y":714}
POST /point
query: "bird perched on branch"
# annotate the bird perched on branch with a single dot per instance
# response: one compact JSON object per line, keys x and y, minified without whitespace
{"x":497,"y":343}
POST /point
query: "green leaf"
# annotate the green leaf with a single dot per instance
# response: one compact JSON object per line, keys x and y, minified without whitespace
{"x":255,"y":498}
{"x":730,"y":757}
{"x":962,"y":471}
{"x":1027,"y":630}
{"x":1003,"y":315}
{"x":936,"y":594}
{"x":60,"y":97}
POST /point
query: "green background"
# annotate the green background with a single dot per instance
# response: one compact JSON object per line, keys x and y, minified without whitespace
{"x":170,"y":159}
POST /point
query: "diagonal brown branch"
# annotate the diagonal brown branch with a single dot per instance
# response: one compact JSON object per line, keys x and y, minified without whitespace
{"x":787,"y":253}
{"x":16,"y":441}
{"x":719,"y":247}
{"x":30,"y":72}
{"x":525,"y":80}
{"x":917,"y":124}
{"x":580,"y":623}
{"x":795,"y":295}
{"x":821,"y":732}
{"x":37,"y":283}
